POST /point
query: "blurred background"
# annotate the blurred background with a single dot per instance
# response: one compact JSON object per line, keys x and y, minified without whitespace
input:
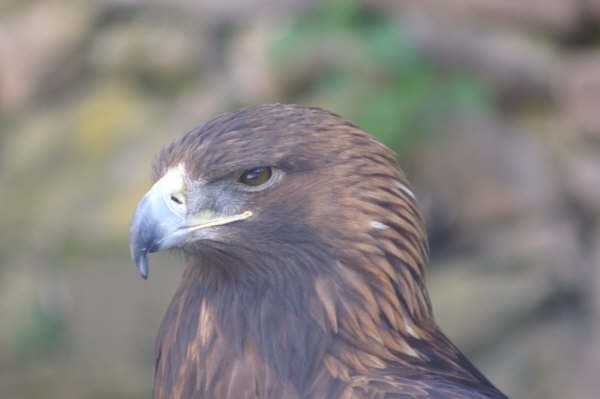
{"x":493,"y":107}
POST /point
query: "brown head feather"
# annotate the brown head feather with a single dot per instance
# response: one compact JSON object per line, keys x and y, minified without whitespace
{"x":321,"y":294}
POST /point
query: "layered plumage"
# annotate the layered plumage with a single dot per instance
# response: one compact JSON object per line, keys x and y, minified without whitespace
{"x":308,"y":285}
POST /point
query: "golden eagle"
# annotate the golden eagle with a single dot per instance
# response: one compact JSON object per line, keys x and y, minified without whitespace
{"x":305,"y":266}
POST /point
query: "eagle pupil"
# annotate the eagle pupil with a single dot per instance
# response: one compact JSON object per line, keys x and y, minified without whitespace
{"x":176,"y":200}
{"x":256,"y":177}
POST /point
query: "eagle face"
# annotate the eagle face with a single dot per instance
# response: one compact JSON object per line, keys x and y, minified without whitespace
{"x":242,"y":186}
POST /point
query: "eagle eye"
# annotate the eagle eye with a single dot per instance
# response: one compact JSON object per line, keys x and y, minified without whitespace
{"x":256,"y":176}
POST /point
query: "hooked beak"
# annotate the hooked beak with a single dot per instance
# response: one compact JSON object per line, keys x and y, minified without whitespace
{"x":161,"y":219}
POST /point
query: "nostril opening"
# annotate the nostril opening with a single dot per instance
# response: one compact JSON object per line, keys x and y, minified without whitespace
{"x":176,"y":200}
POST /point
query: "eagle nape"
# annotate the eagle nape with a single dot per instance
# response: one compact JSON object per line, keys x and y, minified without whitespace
{"x":305,"y":266}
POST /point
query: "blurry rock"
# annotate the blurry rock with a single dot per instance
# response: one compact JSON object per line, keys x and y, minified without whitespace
{"x":548,"y":241}
{"x":592,"y":8}
{"x":480,"y":172}
{"x":584,"y":382}
{"x":594,"y":287}
{"x":524,"y":356}
{"x":476,"y":308}
{"x":580,"y":93}
{"x":582,"y":178}
{"x":552,"y":128}
{"x":33,"y":42}
{"x":251,"y":67}
{"x":200,"y":102}
{"x":6,"y":5}
{"x":506,"y":320}
{"x":558,"y":16}
{"x":236,"y":10}
{"x":518,"y":67}
{"x":163,"y":50}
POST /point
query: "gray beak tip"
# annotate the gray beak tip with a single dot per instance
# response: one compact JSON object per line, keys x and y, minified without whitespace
{"x":143,"y":266}
{"x":140,"y":259}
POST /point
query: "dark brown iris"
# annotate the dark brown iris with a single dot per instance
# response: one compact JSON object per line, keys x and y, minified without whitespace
{"x":256,"y":176}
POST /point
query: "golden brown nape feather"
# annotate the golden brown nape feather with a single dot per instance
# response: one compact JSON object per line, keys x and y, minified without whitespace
{"x":320,"y":292}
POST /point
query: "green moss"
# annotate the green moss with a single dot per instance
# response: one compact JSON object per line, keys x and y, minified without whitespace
{"x":37,"y":334}
{"x":374,"y":77}
{"x":103,"y":116}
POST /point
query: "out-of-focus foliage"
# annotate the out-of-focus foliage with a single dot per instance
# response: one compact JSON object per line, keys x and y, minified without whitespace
{"x":37,"y":333}
{"x":365,"y":69}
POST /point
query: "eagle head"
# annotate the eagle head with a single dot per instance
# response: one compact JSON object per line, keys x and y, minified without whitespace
{"x":251,"y":190}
